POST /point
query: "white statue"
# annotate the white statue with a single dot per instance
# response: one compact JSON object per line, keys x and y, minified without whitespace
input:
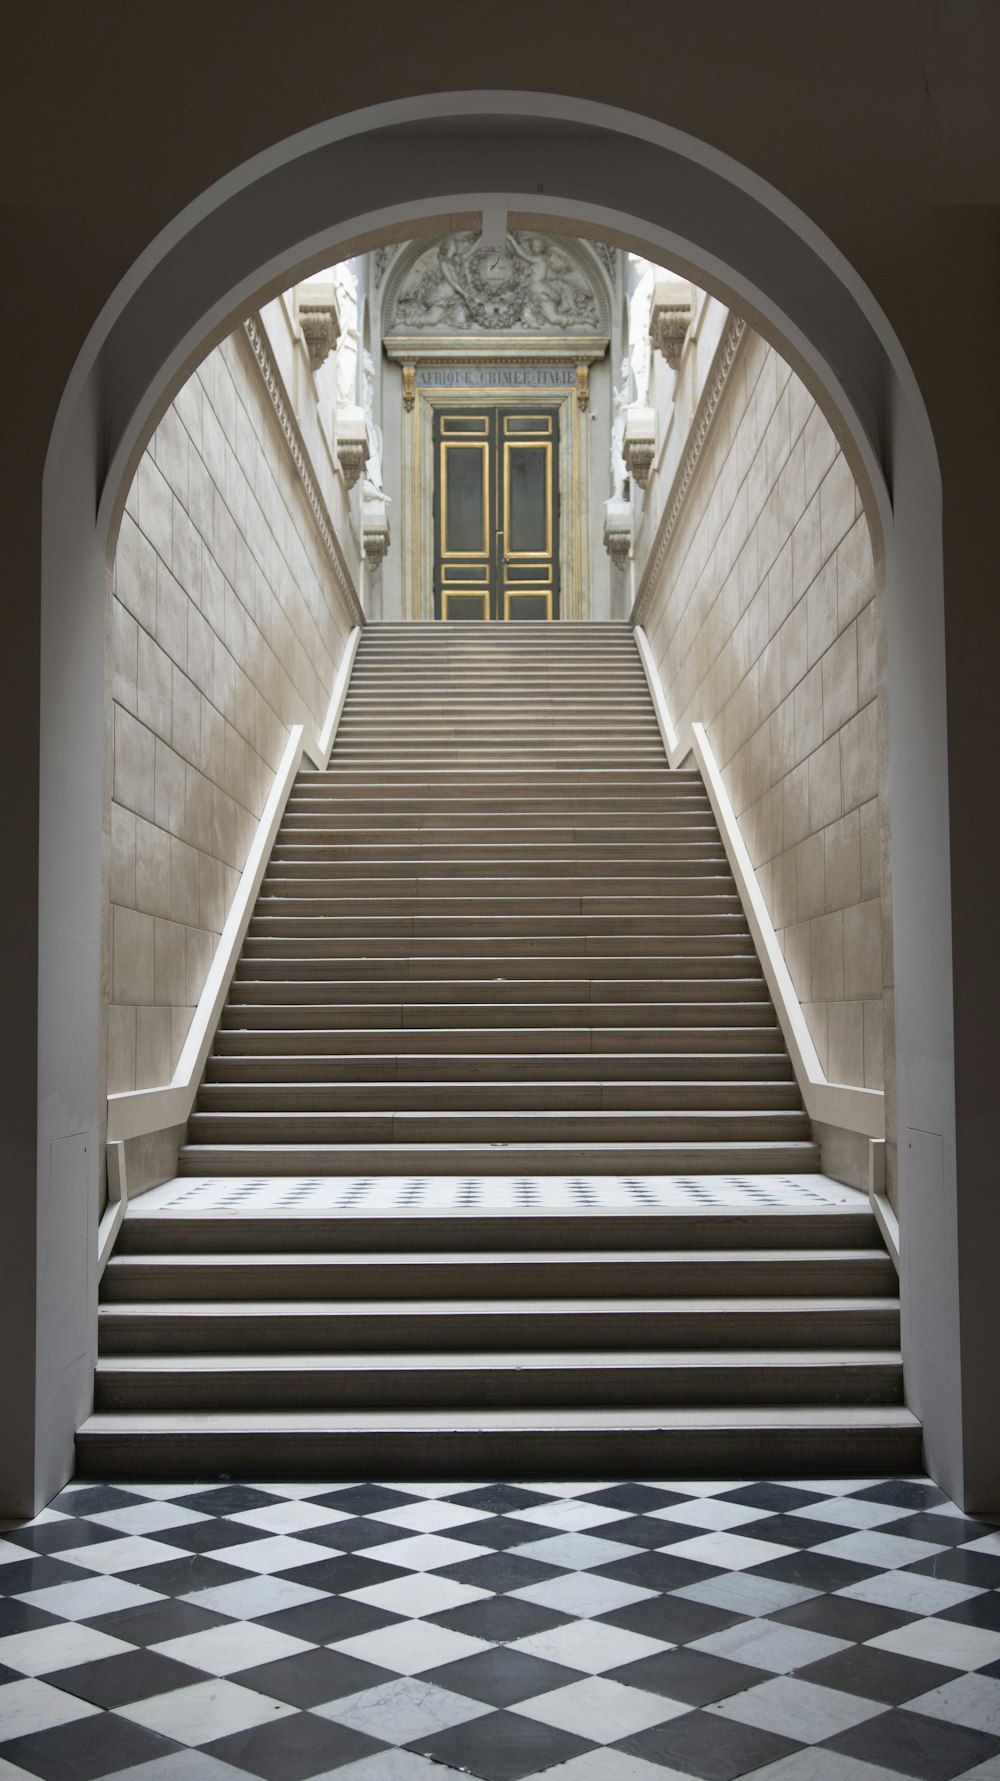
{"x":619,"y":470}
{"x":639,"y":305}
{"x":373,"y":469}
{"x":347,"y":346}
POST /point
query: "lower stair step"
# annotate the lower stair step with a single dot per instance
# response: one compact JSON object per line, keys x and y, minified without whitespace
{"x":141,"y":1384}
{"x":715,"y":1158}
{"x":630,"y":1442}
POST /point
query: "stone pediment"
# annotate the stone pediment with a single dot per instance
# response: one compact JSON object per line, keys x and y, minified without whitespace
{"x":536,"y":295}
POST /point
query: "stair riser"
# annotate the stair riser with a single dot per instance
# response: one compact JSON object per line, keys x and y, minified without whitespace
{"x":681,"y":956}
{"x":485,"y":1127}
{"x":317,"y":1332}
{"x":468,"y":1069}
{"x":151,"y":1280}
{"x":524,"y":1042}
{"x":415,"y":1231}
{"x":500,"y":1159}
{"x":516,"y":1015}
{"x":514,"y":1097}
{"x":569,"y":968}
{"x":478,"y":1388}
{"x":440,"y":993}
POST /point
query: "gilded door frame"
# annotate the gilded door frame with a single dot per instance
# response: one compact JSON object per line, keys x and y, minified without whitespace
{"x":417,"y":486}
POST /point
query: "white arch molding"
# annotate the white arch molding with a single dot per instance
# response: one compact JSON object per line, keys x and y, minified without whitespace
{"x":387,"y":173}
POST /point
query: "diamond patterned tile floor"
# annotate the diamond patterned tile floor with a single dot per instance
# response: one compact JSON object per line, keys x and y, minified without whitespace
{"x":806,"y":1630}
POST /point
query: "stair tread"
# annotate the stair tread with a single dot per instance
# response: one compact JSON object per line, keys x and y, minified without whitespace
{"x":447,"y":1421}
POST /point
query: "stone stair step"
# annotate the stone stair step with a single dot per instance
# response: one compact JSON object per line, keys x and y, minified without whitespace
{"x":715,"y":1157}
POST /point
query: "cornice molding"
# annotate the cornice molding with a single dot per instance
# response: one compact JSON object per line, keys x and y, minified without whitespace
{"x":270,"y":377}
{"x":698,"y":434}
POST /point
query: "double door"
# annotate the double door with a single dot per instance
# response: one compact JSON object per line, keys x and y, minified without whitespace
{"x":496,"y":513}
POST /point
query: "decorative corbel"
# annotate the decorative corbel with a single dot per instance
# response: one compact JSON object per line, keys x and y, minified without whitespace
{"x":409,"y":392}
{"x":671,"y":315}
{"x":319,"y":321}
{"x":618,"y":531}
{"x":352,"y":444}
{"x":583,"y":388}
{"x":639,"y":443}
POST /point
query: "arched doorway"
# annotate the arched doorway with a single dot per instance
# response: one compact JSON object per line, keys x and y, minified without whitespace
{"x":392,"y":172}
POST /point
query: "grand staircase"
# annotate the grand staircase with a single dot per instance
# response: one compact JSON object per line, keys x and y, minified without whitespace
{"x":498,"y":939}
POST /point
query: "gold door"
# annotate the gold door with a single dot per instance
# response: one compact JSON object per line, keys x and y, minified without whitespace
{"x":496,"y":514}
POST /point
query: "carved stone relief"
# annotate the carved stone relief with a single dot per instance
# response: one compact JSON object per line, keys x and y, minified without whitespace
{"x":530,"y":284}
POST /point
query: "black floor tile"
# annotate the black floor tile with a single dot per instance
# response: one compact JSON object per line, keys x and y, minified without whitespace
{"x":294,"y":1749}
{"x":500,"y":1499}
{"x":349,"y":1570}
{"x":697,"y":1677}
{"x":60,"y":1536}
{"x":842,"y":1617}
{"x":877,"y":1675}
{"x":647,"y":1531}
{"x":798,"y":1531}
{"x":8,"y":1675}
{"x":155,"y":1622}
{"x":311,"y":1678}
{"x":209,"y":1536}
{"x":25,"y":1575}
{"x":87,"y":1748}
{"x":501,"y":1571}
{"x":500,"y":1677}
{"x":500,"y":1532}
{"x":980,"y":1570}
{"x":501,"y":1747}
{"x":635,"y":1499}
{"x":325,"y":1622}
{"x":671,"y":1618}
{"x":657,"y":1570}
{"x":364,"y":1499}
{"x":22,"y":1617}
{"x":903,"y":1493}
{"x":128,"y":1676}
{"x":940,"y":1530}
{"x":501,"y":1618}
{"x":916,"y":1745}
{"x":703,"y":1744}
{"x":185,"y":1575}
{"x":979,"y":1610}
{"x":95,"y":1499}
{"x":355,"y":1535}
{"x":778,"y":1498}
{"x":230,"y":1499}
{"x":814,"y":1570}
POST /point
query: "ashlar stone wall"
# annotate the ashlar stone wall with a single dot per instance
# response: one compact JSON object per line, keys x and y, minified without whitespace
{"x":764,"y":628}
{"x":227,"y":627}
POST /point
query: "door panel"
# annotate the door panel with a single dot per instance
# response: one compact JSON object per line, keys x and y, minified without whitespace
{"x":496,"y":514}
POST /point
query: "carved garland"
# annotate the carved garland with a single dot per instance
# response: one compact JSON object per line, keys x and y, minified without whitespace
{"x":324,"y":525}
{"x":700,"y":429}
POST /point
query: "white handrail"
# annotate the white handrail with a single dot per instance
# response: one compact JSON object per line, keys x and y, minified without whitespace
{"x":833,"y":1103}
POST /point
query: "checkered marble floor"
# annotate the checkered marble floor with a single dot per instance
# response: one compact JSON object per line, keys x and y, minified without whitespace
{"x":825,"y":1630}
{"x":493,"y":1193}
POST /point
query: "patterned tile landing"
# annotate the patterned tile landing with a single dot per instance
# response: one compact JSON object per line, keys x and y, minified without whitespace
{"x":283,"y":1193}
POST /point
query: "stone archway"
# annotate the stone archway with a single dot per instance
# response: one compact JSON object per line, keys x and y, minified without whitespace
{"x":389,"y":173}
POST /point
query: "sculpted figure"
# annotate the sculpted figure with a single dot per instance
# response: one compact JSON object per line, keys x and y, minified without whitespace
{"x":638,"y":327}
{"x":620,"y":403}
{"x":347,"y":346}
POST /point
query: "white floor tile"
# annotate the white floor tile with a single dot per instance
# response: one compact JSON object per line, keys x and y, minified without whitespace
{"x":148,"y":1518}
{"x":710,"y":1513}
{"x":237,"y":1645}
{"x":795,"y":1709}
{"x":389,"y":1765}
{"x":851,"y":1512}
{"x":416,"y":1597}
{"x":48,"y":1648}
{"x":766,"y":1645}
{"x":601,"y":1710}
{"x":818,"y":1765}
{"x":566,"y":1513}
{"x":582,"y":1594}
{"x":741,"y":1593}
{"x":87,"y":1600}
{"x":731,"y":1552}
{"x":290,"y":1517}
{"x":577,"y":1551}
{"x":205,"y":1711}
{"x":402,"y":1710}
{"x":411,"y":1646}
{"x":609,"y":1765}
{"x":33,"y":1706}
{"x":943,"y":1642}
{"x":430,"y":1515}
{"x":130,"y":1553}
{"x":254,"y":1598}
{"x":589,"y":1645}
{"x":890,"y":1552}
{"x":910,"y":1592}
{"x":968,"y":1700}
{"x":282,"y":1552}
{"x":426,"y":1552}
